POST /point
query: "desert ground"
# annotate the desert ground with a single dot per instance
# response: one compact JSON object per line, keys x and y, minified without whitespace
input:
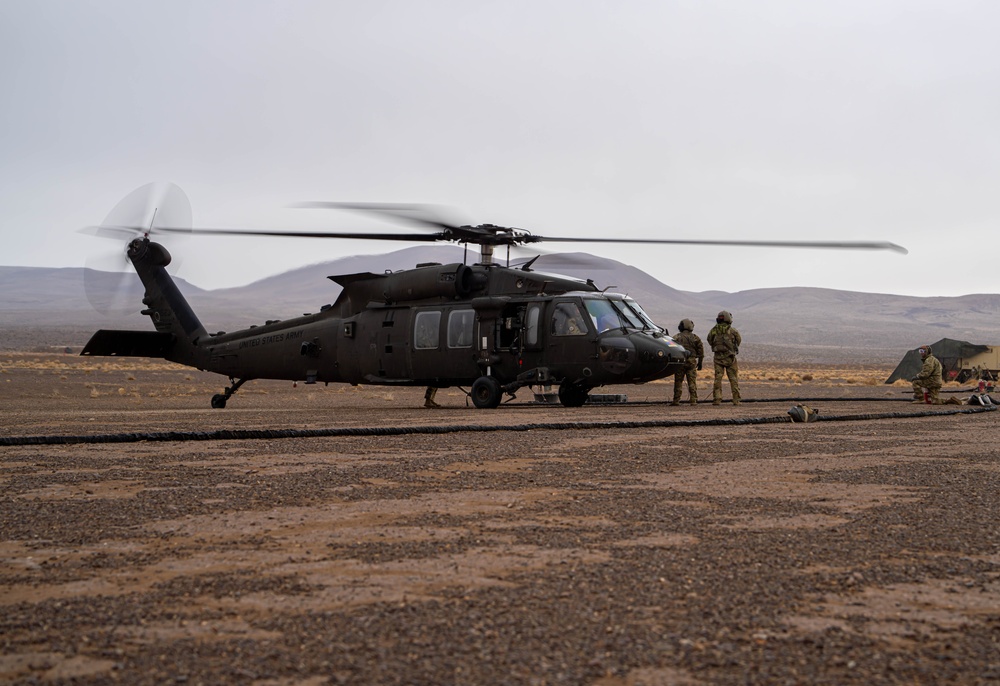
{"x":531,"y":544}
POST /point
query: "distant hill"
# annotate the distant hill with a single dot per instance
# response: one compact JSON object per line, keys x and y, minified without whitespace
{"x":45,"y":308}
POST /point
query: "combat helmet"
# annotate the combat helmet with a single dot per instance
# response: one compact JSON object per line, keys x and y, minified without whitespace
{"x":724,"y":317}
{"x":686,"y":325}
{"x":924,"y":350}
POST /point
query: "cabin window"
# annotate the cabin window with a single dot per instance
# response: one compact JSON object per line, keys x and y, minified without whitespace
{"x":532,"y":320}
{"x":460,"y":324}
{"x":567,"y":320}
{"x":427,"y":330}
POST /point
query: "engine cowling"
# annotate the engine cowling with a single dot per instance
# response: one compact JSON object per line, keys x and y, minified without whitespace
{"x":450,"y":280}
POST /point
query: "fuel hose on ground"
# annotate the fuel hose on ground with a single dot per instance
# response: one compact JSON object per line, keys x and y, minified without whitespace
{"x":271,"y":434}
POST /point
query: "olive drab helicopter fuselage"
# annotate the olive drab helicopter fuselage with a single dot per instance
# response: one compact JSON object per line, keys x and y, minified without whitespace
{"x":492,"y":328}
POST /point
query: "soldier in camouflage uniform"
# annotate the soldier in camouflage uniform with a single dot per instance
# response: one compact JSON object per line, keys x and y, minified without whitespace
{"x":929,"y":378}
{"x":692,"y":344}
{"x":725,"y":343}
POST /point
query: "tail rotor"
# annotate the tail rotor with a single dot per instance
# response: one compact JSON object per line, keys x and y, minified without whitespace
{"x":110,"y":283}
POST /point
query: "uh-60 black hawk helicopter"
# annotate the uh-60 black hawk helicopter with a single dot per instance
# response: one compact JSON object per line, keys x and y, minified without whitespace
{"x":490,"y":327}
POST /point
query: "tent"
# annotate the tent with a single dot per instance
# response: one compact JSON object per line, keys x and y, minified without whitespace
{"x":948,"y":351}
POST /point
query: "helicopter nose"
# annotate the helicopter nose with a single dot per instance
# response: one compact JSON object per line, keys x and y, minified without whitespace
{"x":640,"y":357}
{"x":656,"y":355}
{"x":617,"y":354}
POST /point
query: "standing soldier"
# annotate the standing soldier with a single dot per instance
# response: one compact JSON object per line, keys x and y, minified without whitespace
{"x":929,"y":378}
{"x":692,"y":344}
{"x":725,"y":343}
{"x":429,"y":401}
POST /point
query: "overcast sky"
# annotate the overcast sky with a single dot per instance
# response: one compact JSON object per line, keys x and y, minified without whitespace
{"x":772,"y":119}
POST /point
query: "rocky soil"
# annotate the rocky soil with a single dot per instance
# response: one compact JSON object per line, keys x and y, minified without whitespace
{"x":604,"y":553}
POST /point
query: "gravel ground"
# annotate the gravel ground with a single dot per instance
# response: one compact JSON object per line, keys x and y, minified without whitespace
{"x":831,"y":552}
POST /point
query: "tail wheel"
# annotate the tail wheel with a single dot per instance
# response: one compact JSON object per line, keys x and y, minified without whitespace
{"x":486,"y":392}
{"x":573,"y":395}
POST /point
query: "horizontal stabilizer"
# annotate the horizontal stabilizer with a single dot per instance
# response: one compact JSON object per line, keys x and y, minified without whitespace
{"x":108,"y":342}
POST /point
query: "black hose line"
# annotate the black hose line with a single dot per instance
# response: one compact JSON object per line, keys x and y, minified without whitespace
{"x":270,"y":434}
{"x":796,"y":401}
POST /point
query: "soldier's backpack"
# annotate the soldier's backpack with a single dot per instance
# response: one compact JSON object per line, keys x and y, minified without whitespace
{"x":801,"y":413}
{"x":725,"y":343}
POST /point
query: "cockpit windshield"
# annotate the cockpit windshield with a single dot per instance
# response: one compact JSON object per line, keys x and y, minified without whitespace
{"x":614,"y":313}
{"x":639,"y":312}
{"x":627,"y":314}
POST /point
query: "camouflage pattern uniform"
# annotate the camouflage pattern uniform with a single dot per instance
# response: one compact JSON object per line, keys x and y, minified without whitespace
{"x":929,"y":378}
{"x":692,"y":344}
{"x":725,"y":343}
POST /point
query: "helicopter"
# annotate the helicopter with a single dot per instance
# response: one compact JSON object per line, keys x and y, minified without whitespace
{"x":493,"y":328}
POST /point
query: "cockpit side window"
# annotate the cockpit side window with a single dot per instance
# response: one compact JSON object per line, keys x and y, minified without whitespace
{"x":460,"y":324}
{"x":603,"y":314}
{"x":427,"y":330}
{"x":567,"y":320}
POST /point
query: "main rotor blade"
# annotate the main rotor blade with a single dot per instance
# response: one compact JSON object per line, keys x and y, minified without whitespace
{"x":419,"y":237}
{"x":397,"y":211}
{"x":836,"y":245}
{"x":118,"y":233}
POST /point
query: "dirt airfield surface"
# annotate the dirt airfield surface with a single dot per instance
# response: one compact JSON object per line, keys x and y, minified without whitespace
{"x":592,"y":551}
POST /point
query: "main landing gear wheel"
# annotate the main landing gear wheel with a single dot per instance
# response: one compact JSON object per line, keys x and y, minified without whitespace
{"x":573,"y":395}
{"x":218,"y":401}
{"x":486,"y":392}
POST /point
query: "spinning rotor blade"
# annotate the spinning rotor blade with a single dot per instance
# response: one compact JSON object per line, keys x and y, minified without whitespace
{"x":836,"y":245}
{"x":308,"y":234}
{"x":111,"y":285}
{"x":399,"y":211}
{"x":118,"y":233}
{"x":144,"y":211}
{"x":487,"y":236}
{"x":429,"y":216}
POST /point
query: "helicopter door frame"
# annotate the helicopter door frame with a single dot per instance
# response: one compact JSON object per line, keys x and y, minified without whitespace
{"x":390,"y":345}
{"x":571,"y":344}
{"x":510,"y":328}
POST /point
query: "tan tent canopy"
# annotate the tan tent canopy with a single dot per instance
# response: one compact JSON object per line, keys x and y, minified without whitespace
{"x":948,"y":351}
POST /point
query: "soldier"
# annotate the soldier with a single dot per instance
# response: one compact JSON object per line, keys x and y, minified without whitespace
{"x":929,"y":378}
{"x":686,"y":337}
{"x":725,"y":343}
{"x":429,"y":401}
